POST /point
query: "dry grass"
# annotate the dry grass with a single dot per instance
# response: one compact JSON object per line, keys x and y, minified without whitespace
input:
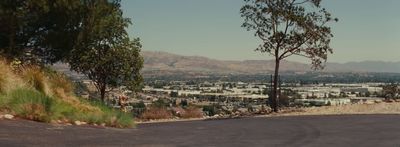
{"x":8,"y":80}
{"x":192,"y":112}
{"x":61,"y":85}
{"x":55,"y":85}
{"x":378,"y":108}
{"x":35,"y":112}
{"x":43,"y":95}
{"x":4,"y":76}
{"x":36,"y":79}
{"x":162,"y":113}
{"x":156,"y":113}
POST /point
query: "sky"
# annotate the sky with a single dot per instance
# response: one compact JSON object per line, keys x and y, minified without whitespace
{"x":367,"y":29}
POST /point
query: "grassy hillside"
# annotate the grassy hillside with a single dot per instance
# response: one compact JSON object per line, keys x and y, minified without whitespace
{"x":43,"y":95}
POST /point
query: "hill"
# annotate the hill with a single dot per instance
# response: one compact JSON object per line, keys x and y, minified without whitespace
{"x":163,"y":63}
{"x":167,"y":63}
{"x":364,"y":66}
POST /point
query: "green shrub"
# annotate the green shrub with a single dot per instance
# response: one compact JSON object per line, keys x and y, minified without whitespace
{"x":3,"y":83}
{"x":211,"y":110}
{"x":124,"y":119}
{"x":30,"y":104}
{"x":3,"y":103}
{"x":34,"y":105}
{"x":160,"y":103}
{"x":62,"y":111}
{"x":111,"y":117}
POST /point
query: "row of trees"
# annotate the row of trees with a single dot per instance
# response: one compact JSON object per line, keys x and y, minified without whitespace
{"x":89,"y":35}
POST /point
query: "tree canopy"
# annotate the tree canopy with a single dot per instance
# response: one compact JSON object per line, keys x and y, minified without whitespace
{"x":90,"y":35}
{"x":45,"y":28}
{"x":104,"y":51}
{"x":290,"y":27}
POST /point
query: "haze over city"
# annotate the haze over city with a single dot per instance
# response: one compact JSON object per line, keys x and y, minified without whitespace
{"x":367,"y":29}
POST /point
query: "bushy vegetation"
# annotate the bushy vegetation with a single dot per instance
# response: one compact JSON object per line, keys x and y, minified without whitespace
{"x":37,"y":94}
{"x":76,"y":32}
{"x":192,"y":112}
{"x":160,"y":109}
{"x":36,"y":79}
{"x":212,"y":110}
{"x":156,"y":113}
{"x":8,"y":79}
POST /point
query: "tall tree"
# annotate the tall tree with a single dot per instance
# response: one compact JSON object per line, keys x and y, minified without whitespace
{"x":289,"y":27}
{"x":46,"y":28}
{"x":15,"y":17}
{"x":88,"y":34}
{"x":104,"y":51}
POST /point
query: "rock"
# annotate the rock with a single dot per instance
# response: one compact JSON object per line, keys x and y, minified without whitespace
{"x":242,"y":110}
{"x":103,"y":124}
{"x":9,"y":116}
{"x":77,"y":122}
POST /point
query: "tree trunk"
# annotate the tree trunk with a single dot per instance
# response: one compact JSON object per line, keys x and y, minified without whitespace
{"x":102,"y":92}
{"x":275,"y":99}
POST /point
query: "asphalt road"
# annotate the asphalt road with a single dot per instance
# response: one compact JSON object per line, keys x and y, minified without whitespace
{"x":347,"y":130}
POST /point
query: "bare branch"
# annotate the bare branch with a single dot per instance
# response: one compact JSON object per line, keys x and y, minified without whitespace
{"x":303,"y":2}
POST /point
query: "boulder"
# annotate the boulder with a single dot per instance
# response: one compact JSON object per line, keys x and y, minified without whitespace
{"x":8,"y":116}
{"x":78,"y":123}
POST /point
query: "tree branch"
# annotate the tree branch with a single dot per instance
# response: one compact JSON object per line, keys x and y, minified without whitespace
{"x":299,"y":3}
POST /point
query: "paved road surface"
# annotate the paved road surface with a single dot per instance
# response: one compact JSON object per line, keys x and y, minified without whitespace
{"x":349,"y":130}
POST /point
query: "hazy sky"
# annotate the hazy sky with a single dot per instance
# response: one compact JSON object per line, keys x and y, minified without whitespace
{"x":367,"y":29}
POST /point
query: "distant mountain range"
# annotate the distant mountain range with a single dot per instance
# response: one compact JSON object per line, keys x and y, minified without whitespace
{"x":158,"y":64}
{"x":364,"y":66}
{"x":168,"y":63}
